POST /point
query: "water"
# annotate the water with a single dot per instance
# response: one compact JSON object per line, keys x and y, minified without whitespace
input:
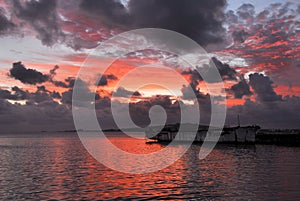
{"x":56,"y":166}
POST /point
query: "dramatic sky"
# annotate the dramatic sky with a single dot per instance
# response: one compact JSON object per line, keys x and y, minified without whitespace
{"x":254,"y":45}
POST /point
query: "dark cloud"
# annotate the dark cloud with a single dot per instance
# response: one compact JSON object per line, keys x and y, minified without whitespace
{"x":193,"y":73}
{"x":20,"y":94}
{"x":209,"y":72}
{"x":53,"y":71}
{"x":192,"y":91}
{"x":67,"y":83}
{"x":111,"y":12}
{"x":239,"y":36}
{"x":271,"y":39}
{"x":226,"y":72}
{"x":49,"y":115}
{"x":42,"y":17}
{"x":71,"y":82}
{"x":41,"y":95}
{"x":139,"y":111}
{"x":6,"y":26}
{"x":33,"y":77}
{"x":199,"y":20}
{"x":246,"y":11}
{"x":55,"y":95}
{"x":111,"y":77}
{"x":262,"y":86}
{"x":241,"y":89}
{"x":42,"y":89}
{"x":5,"y":94}
{"x":263,"y":15}
{"x":27,"y":76}
{"x":83,"y":92}
{"x":282,"y":114}
{"x":9,"y":116}
{"x":231,"y":18}
{"x":104,"y":79}
{"x":15,"y":94}
{"x":66,"y":97}
{"x":122,"y":92}
{"x":60,"y":84}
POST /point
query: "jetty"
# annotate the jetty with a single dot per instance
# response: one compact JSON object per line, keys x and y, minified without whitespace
{"x":252,"y":134}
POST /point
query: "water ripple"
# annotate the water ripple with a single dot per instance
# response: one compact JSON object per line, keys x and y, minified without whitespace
{"x":58,"y":167}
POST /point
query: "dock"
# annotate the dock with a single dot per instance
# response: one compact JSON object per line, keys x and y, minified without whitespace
{"x":229,"y":135}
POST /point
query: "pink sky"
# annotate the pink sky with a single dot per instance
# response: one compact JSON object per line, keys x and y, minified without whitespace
{"x":258,"y":53}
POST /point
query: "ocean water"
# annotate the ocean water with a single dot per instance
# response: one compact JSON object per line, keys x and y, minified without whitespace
{"x":55,"y":166}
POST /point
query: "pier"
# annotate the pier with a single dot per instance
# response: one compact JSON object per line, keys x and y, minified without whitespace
{"x":231,"y":135}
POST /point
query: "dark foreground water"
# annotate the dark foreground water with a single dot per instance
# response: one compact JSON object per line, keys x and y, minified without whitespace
{"x":56,"y":166}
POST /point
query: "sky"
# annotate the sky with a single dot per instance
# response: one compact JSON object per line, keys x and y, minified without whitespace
{"x":44,"y":43}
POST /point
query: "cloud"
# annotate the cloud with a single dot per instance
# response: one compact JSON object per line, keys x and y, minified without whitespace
{"x":85,"y":23}
{"x":246,"y":11}
{"x":27,"y":76}
{"x":241,"y":89}
{"x":37,"y":97}
{"x":60,"y":84}
{"x":66,"y":97}
{"x":42,"y":17}
{"x":122,"y":92}
{"x":15,"y":94}
{"x":54,"y":94}
{"x":48,"y":115}
{"x":20,"y":94}
{"x":192,"y":91}
{"x":139,"y":111}
{"x":262,"y":86}
{"x":111,"y":12}
{"x":193,"y":73}
{"x":52,"y":71}
{"x":226,"y":72}
{"x":71,"y":82}
{"x":240,"y":36}
{"x":33,"y":77}
{"x":267,"y":40}
{"x":280,"y":114}
{"x":104,"y":79}
{"x":210,"y":73}
{"x":68,"y":82}
{"x":83,"y":92}
{"x":111,"y":77}
{"x":5,"y":94}
{"x":6,"y":26}
{"x":199,"y":20}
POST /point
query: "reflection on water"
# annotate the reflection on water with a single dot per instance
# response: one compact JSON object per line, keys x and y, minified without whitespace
{"x":57,"y":166}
